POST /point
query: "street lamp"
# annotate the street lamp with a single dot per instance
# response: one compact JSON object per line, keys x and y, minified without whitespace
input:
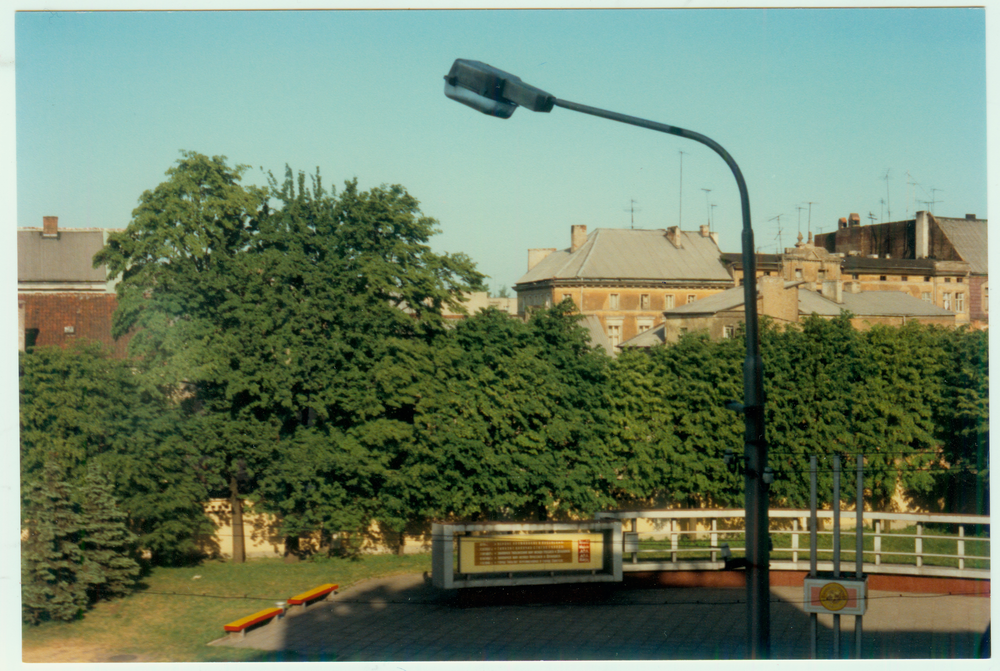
{"x":498,"y":93}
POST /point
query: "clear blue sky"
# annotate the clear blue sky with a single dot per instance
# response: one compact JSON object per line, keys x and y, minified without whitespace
{"x":814,"y":105}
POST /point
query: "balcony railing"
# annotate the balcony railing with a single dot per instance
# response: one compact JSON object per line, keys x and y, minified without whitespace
{"x":939,"y":545}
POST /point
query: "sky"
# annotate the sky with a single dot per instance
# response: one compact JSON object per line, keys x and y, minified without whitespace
{"x":827,"y":112}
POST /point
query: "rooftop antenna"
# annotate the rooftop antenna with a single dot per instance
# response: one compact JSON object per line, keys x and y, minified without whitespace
{"x":887,"y":206}
{"x":809,"y":224}
{"x":708,"y":208}
{"x":871,"y":217}
{"x":933,"y":199}
{"x":909,"y":183}
{"x":798,"y":209}
{"x":631,"y":209}
{"x":778,"y":236}
{"x":881,"y":210}
{"x":680,"y":198}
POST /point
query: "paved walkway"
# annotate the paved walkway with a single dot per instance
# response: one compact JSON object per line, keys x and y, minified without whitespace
{"x":403,"y":618}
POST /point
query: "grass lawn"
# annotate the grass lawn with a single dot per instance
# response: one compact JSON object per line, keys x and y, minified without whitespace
{"x":178,"y":611}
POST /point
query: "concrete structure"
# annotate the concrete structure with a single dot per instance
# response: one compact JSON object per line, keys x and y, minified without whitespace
{"x":61,"y":297}
{"x":940,"y":260}
{"x":625,"y":278}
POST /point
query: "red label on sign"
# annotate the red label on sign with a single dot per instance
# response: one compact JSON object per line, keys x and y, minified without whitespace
{"x":583,"y":552}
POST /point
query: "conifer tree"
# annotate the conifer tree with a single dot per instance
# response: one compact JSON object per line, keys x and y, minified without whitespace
{"x":55,"y":574}
{"x":105,"y":538}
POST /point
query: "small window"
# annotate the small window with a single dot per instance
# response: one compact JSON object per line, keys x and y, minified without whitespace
{"x":728,"y":332}
{"x":691,"y":299}
{"x":947,"y":280}
{"x":959,"y":279}
{"x":946,"y":300}
{"x":881,"y":278}
{"x":668,"y":301}
{"x":798,"y":273}
{"x":926,"y":295}
{"x":613,"y":302}
{"x":854,"y":276}
{"x":959,"y":302}
{"x":927,"y":278}
{"x":643,"y":325}
{"x":644,"y":301}
{"x":615,"y":334}
{"x":567,"y":297}
{"x":904,"y":278}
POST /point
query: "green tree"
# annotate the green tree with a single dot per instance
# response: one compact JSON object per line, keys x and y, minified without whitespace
{"x":55,"y":572}
{"x":79,"y":407}
{"x":282,"y":323}
{"x":105,"y":538}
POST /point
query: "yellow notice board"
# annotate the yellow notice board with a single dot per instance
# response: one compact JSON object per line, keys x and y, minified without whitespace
{"x":530,"y":552}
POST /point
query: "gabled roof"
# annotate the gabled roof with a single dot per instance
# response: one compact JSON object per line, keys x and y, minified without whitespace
{"x":969,"y":238}
{"x":67,"y":257}
{"x":611,"y":253}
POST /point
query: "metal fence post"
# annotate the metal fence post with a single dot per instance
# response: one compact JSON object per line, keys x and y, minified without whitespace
{"x":795,"y":542}
{"x":878,"y":542}
{"x":919,"y":545}
{"x":813,"y":519}
{"x":714,"y":537}
{"x":961,"y":547}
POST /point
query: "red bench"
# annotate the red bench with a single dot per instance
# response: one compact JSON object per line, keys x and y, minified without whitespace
{"x":240,"y":626}
{"x":315,"y":594}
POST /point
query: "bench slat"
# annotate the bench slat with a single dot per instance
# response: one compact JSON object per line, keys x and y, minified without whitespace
{"x":249,"y":620}
{"x":315,"y":593}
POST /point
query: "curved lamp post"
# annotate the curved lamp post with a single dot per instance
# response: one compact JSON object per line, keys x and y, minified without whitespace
{"x":498,"y":94}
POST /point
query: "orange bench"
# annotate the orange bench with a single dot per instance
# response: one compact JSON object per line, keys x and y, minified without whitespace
{"x":240,"y":626}
{"x":315,"y":594}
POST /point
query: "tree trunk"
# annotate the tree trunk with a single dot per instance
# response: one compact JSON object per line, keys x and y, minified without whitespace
{"x":239,"y":549}
{"x":292,"y":549}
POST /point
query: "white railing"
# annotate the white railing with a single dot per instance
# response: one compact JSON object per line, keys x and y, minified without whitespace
{"x":716,"y":526}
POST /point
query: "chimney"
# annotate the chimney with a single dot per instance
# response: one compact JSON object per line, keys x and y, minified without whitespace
{"x":854,"y":287}
{"x":703,"y":229}
{"x":834,"y":290}
{"x":50,"y":227}
{"x":578,"y":236}
{"x":842,"y":223}
{"x":535,"y":256}
{"x":674,"y":236}
{"x":715,"y":237}
{"x":855,"y":219}
{"x":970,"y":217}
{"x":923,"y":235}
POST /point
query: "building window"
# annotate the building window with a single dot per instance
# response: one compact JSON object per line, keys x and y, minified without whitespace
{"x":927,"y":278}
{"x":904,"y":278}
{"x":959,"y":279}
{"x":615,"y":334}
{"x":986,"y":299}
{"x":643,"y":301}
{"x":567,"y":297}
{"x":668,"y":301}
{"x":683,"y":330}
{"x":644,"y":325}
{"x":881,"y":278}
{"x":613,"y":302}
{"x":728,"y":332}
{"x":947,"y":280}
{"x":926,"y":295}
{"x":960,"y":302}
{"x":854,"y":276}
{"x":691,"y":299}
{"x":798,"y":273}
{"x":946,"y":300}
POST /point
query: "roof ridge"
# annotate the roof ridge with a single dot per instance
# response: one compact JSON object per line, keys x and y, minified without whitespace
{"x":586,"y":258}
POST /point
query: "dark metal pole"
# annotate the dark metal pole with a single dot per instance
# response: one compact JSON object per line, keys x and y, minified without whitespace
{"x":813,"y":546}
{"x":836,"y":549}
{"x":758,"y":554}
{"x":859,"y":546}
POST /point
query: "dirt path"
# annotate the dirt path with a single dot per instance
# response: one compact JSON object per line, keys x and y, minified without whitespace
{"x":69,"y":651}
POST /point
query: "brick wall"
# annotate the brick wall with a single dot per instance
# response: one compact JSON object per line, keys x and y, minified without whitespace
{"x":60,"y":319}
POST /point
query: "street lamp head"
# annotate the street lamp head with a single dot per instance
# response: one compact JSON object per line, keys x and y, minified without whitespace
{"x":492,"y":91}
